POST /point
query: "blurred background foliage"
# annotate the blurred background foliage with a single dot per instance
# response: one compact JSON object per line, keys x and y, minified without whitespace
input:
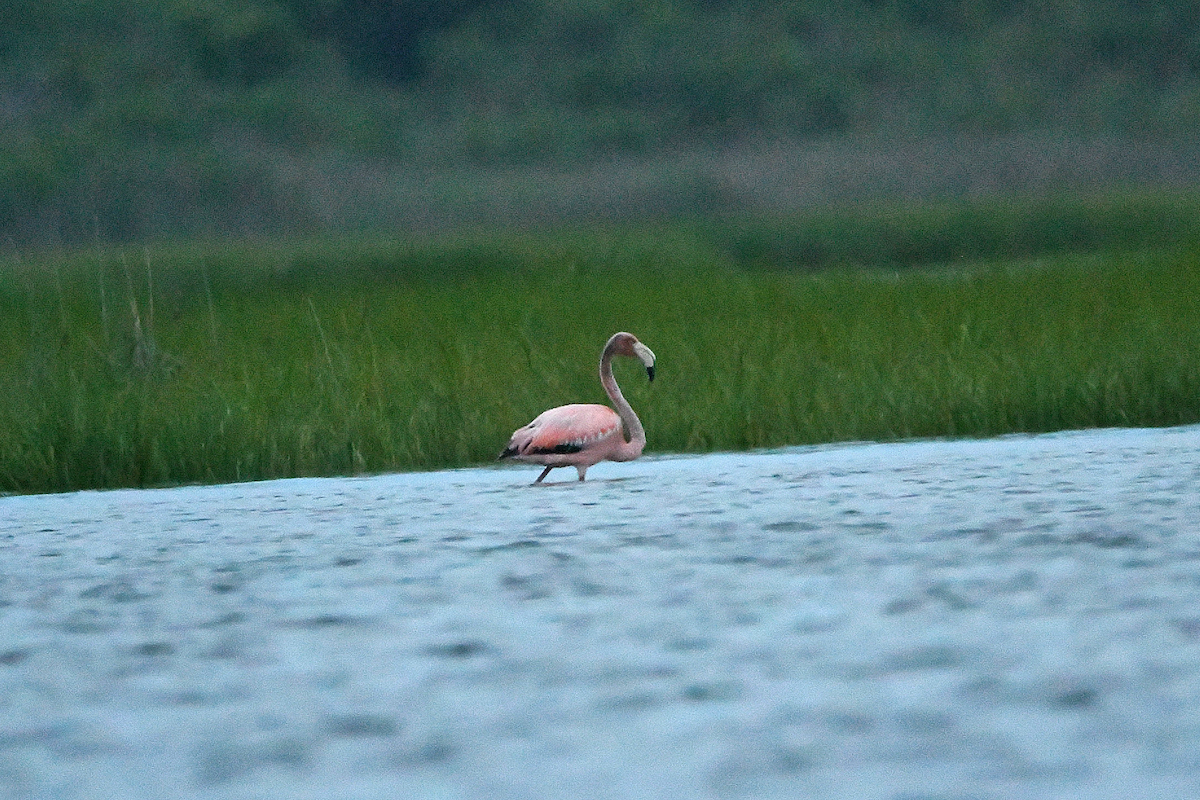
{"x":149,"y":119}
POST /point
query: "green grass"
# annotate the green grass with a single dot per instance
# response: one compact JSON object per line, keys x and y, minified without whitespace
{"x":341,"y":357}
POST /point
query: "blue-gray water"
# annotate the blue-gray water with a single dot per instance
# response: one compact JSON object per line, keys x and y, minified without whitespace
{"x":1016,"y":617}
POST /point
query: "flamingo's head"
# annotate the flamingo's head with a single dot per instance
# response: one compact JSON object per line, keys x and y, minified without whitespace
{"x":626,"y":344}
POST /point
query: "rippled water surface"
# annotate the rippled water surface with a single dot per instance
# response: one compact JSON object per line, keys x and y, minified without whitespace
{"x":1016,"y":617}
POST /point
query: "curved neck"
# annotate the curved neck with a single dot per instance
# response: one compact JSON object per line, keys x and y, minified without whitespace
{"x":633,"y":425}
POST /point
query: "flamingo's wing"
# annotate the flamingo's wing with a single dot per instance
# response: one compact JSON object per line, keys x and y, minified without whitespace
{"x":564,"y":430}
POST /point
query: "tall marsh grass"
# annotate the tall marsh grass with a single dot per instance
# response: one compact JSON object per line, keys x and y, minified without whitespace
{"x":235,"y":362}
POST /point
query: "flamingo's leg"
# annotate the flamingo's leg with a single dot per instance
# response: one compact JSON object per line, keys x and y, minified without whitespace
{"x":545,"y":472}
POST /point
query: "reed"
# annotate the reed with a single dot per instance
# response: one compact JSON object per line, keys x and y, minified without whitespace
{"x":360,"y":356}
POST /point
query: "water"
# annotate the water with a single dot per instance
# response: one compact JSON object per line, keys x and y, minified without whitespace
{"x":1016,"y":617}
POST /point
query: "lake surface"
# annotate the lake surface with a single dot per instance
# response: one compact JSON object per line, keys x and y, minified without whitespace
{"x":1014,"y":617}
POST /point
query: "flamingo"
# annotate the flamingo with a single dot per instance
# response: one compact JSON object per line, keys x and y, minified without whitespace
{"x":580,"y":434}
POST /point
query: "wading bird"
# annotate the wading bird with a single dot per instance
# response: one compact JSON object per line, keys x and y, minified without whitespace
{"x":581,"y":434}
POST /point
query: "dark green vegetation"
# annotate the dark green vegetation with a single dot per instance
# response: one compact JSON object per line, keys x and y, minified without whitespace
{"x":126,"y":120}
{"x":155,"y":365}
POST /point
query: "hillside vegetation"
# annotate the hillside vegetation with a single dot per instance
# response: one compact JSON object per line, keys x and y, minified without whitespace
{"x":131,"y":119}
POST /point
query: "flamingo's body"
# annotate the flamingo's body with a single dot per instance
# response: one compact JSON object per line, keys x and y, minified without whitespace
{"x":581,"y":434}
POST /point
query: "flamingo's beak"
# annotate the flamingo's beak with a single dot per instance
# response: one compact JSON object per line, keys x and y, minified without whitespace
{"x":646,"y":355}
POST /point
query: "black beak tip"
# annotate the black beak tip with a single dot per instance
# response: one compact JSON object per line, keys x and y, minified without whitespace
{"x":650,"y":372}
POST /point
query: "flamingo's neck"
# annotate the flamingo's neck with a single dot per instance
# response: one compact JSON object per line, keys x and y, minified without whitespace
{"x":633,"y":426}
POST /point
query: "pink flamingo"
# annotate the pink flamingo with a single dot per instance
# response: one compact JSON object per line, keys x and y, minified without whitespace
{"x":581,"y":434}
